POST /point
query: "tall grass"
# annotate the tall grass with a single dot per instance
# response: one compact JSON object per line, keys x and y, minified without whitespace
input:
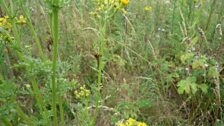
{"x":132,"y":63}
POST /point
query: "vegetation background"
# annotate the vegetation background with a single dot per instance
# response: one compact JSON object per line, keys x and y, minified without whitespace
{"x":111,"y":62}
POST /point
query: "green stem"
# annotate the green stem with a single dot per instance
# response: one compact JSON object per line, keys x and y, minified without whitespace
{"x":100,"y":69}
{"x":39,"y":99}
{"x":54,"y":65}
{"x":24,"y":116}
{"x":6,"y":122}
{"x":101,"y":51}
{"x":37,"y":95}
{"x":61,"y":111}
{"x":212,"y":9}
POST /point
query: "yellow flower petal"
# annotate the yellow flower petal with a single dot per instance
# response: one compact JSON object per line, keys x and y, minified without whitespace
{"x":148,"y":8}
{"x":124,"y":2}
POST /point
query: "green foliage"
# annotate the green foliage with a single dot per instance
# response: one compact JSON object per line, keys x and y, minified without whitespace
{"x":102,"y":62}
{"x":187,"y":57}
{"x":7,"y":100}
{"x":189,"y":86}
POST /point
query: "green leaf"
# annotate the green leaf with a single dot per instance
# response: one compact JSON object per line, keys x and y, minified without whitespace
{"x":119,"y":60}
{"x":203,"y":87}
{"x":213,"y":72}
{"x":198,"y":64}
{"x":187,"y":57}
{"x":188,"y":86}
{"x":193,"y":41}
{"x":144,"y":103}
{"x":193,"y":88}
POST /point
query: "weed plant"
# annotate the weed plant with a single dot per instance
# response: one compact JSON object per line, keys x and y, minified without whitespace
{"x":111,"y":62}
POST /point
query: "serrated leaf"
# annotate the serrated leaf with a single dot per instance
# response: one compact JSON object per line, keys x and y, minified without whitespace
{"x":203,"y":87}
{"x":193,"y":87}
{"x":198,"y":64}
{"x":187,"y":57}
{"x":183,"y":86}
{"x":188,"y":86}
{"x":213,"y":72}
{"x":194,"y":41}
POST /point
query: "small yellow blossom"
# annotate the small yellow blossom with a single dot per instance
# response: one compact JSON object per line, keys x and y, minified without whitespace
{"x":4,"y":22}
{"x":21,"y":20}
{"x":124,"y":2}
{"x":81,"y":92}
{"x":142,"y":124}
{"x":131,"y":122}
{"x":6,"y":17}
{"x":1,"y":19}
{"x":148,"y":8}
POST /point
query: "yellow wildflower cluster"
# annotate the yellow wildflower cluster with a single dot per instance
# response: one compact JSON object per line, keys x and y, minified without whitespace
{"x":5,"y":23}
{"x":81,"y":92}
{"x":109,"y":6}
{"x":132,"y":122}
{"x":21,"y":20}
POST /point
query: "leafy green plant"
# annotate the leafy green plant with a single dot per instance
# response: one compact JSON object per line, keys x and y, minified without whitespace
{"x":7,"y":101}
{"x":111,"y":62}
{"x":189,"y":86}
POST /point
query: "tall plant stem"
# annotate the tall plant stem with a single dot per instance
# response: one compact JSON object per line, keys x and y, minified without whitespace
{"x":61,"y":111}
{"x":27,"y":120}
{"x":101,"y":51}
{"x":100,"y":68}
{"x":210,"y":14}
{"x":55,"y":52}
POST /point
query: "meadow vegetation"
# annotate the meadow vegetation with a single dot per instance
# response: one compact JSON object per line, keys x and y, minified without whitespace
{"x":111,"y":62}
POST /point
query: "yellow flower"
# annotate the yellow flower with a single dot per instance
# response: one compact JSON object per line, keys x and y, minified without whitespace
{"x":21,"y":20}
{"x":131,"y":122}
{"x":82,"y":92}
{"x":124,"y":2}
{"x":1,"y":19}
{"x":4,"y":22}
{"x":75,"y":92}
{"x":142,"y":124}
{"x":6,"y":17}
{"x":87,"y":93}
{"x":148,"y":8}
